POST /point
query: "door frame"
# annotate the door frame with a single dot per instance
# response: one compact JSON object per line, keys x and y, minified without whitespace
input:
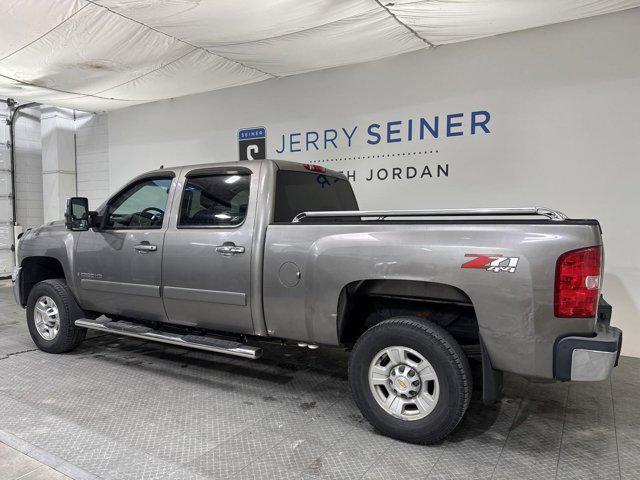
{"x":95,"y":281}
{"x":258,"y":223}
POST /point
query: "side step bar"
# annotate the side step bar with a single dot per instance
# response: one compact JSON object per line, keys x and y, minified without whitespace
{"x":200,"y":342}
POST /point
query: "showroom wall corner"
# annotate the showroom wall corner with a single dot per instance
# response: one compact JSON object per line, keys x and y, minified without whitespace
{"x":29,"y":169}
{"x":92,"y":157}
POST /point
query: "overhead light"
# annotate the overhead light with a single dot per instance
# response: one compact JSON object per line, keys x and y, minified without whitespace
{"x":232,"y":179}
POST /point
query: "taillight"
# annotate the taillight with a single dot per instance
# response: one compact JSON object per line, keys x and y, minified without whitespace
{"x":314,"y":168}
{"x":578,"y":283}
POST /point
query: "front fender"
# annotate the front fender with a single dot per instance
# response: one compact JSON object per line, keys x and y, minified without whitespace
{"x":51,"y":240}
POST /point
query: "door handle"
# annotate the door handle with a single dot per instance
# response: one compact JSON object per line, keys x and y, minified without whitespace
{"x":229,"y":249}
{"x":145,"y":247}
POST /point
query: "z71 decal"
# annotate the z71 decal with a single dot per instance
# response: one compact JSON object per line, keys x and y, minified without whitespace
{"x":491,"y":263}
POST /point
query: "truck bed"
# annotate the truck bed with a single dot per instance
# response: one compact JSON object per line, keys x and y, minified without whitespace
{"x":514,"y":310}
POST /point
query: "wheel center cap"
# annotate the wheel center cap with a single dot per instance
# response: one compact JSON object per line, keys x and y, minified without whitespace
{"x":402,"y":383}
{"x":405,"y":381}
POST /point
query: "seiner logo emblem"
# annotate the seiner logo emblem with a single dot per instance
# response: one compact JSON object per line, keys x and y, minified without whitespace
{"x":252,"y":143}
{"x":491,"y":263}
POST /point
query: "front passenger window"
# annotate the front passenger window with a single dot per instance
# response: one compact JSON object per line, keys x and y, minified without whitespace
{"x":141,"y":206}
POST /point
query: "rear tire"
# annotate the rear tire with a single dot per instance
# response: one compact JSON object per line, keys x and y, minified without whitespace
{"x":410,"y":379}
{"x":51,"y":312}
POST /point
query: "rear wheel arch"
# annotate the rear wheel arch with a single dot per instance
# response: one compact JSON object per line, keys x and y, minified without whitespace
{"x":360,"y":301}
{"x":366,"y":303}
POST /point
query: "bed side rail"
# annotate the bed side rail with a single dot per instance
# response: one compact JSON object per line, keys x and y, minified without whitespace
{"x":549,"y":213}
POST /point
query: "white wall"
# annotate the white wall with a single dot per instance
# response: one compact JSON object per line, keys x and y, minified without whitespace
{"x":6,"y":222}
{"x":77,"y":142}
{"x":563,"y":100}
{"x":92,"y":157}
{"x":28,"y":179}
{"x":28,"y":172}
{"x":58,"y":160}
{"x":28,"y":164}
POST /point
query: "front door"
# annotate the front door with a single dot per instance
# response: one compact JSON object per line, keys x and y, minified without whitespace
{"x":207,"y":252}
{"x":119,"y":265}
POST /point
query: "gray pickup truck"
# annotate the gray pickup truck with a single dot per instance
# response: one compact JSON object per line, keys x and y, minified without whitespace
{"x":222,"y":257}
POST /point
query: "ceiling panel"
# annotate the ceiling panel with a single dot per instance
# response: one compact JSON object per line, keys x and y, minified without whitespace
{"x":218,"y":22}
{"x":106,"y":54}
{"x":22,"y":22}
{"x":196,"y":72}
{"x":447,"y":21}
{"x":362,"y":38}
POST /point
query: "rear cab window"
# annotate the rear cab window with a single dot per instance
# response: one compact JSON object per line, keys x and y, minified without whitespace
{"x":298,"y":191}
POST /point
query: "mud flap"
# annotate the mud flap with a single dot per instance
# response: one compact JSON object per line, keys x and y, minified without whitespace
{"x":491,"y":378}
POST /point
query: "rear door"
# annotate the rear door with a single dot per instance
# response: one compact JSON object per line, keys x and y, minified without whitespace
{"x":208,"y":249}
{"x":119,"y":265}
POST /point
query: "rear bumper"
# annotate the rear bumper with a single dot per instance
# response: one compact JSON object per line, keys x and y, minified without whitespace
{"x":588,"y":358}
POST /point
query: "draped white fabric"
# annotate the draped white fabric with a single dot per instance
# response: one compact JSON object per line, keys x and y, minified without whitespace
{"x":106,"y":54}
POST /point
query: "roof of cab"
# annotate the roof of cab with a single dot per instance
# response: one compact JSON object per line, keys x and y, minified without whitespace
{"x":288,"y":165}
{"x":281,"y":164}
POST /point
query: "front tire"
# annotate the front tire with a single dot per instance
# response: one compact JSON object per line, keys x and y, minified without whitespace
{"x":410,"y":379}
{"x":51,"y":313}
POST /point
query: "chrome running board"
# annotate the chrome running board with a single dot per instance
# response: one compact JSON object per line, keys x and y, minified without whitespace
{"x":199,"y":342}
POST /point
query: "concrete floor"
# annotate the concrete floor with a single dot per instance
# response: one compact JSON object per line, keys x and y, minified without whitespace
{"x":120,"y":408}
{"x":15,"y":465}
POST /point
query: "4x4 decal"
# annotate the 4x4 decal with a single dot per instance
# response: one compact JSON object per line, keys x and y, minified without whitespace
{"x":491,"y":263}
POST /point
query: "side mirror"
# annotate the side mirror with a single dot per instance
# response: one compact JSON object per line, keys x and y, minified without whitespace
{"x":76,"y":216}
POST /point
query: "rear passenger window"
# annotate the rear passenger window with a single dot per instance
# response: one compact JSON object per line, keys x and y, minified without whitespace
{"x":214,"y":201}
